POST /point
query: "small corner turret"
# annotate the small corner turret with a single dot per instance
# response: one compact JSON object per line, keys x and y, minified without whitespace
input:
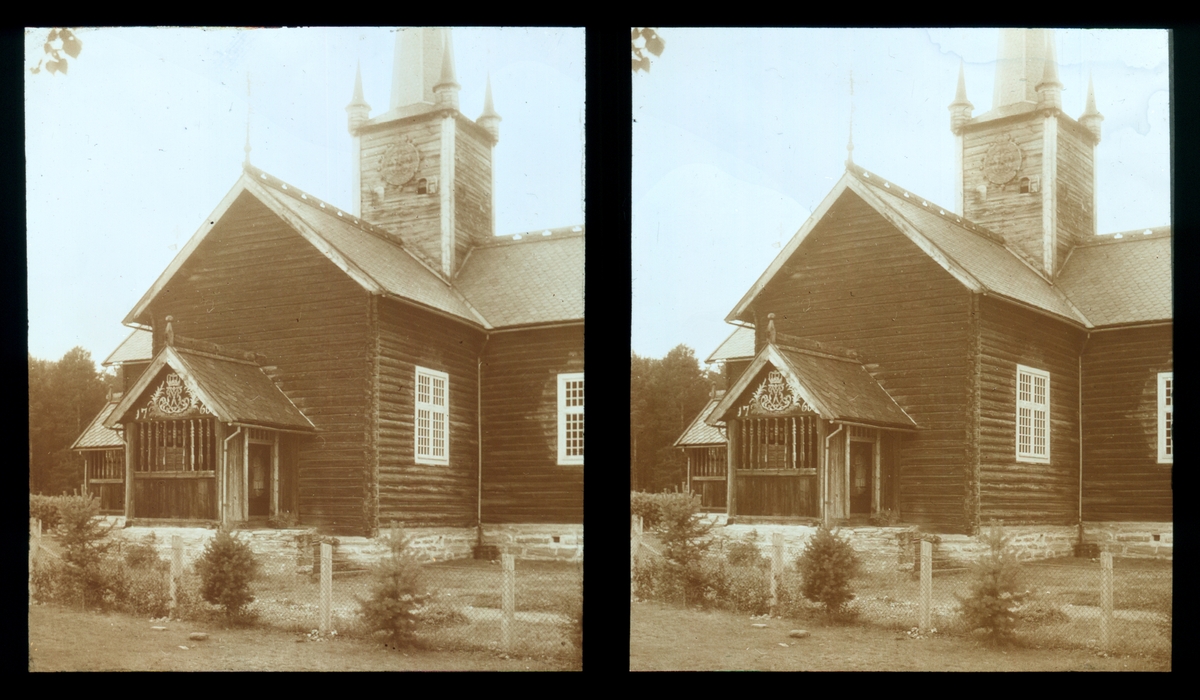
{"x":1049,"y":90}
{"x":1091,"y":118}
{"x":445,"y":92}
{"x":961,"y":107}
{"x":358,"y":110}
{"x":489,"y":120}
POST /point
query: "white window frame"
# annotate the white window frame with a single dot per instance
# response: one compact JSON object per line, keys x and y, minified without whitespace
{"x":1037,"y":416}
{"x":427,"y":407}
{"x":565,"y":410}
{"x":1166,"y":409}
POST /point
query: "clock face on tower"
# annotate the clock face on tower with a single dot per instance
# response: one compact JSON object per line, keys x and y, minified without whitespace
{"x":399,"y":162}
{"x":1002,"y":161}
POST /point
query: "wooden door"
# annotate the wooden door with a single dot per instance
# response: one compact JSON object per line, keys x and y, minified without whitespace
{"x":259,"y":495}
{"x":862,"y":476}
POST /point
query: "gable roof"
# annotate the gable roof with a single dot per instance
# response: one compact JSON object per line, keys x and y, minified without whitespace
{"x":97,"y":436}
{"x":836,"y":387}
{"x":699,"y":432}
{"x":980,"y":261}
{"x":526,"y":278}
{"x":138,"y":347}
{"x":1108,"y":278}
{"x":519,"y":284}
{"x":235,"y":391}
{"x":738,"y":346}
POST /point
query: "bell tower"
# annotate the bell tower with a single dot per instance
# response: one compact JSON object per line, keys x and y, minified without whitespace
{"x":1025,"y":169}
{"x":424,"y":170}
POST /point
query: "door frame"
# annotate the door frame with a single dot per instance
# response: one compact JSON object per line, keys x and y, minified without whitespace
{"x":873,"y":441}
{"x":272,"y":445}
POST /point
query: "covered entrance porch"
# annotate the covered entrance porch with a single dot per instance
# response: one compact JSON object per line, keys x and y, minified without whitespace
{"x":209,"y":439}
{"x":812,"y":437}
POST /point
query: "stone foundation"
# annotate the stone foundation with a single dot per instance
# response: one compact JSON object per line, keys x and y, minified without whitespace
{"x":1130,"y":539}
{"x":296,"y":546}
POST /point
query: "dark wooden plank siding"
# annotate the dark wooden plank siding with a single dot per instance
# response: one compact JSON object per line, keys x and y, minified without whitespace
{"x":776,"y":494}
{"x":1075,"y":182}
{"x":1122,"y":477}
{"x":256,"y":285}
{"x":860,"y":284}
{"x":1019,"y":492}
{"x":403,"y":210}
{"x":472,"y":191}
{"x":522,"y":479}
{"x":1005,"y":209}
{"x":419,"y":495}
{"x":188,"y":498}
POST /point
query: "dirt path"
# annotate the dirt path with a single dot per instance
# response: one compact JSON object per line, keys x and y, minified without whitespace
{"x":69,"y":640}
{"x":671,"y":639}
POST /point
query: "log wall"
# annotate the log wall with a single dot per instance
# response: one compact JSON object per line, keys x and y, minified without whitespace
{"x":1076,"y":181}
{"x":1004,"y":208}
{"x":522,"y":479}
{"x":1122,"y":479}
{"x":424,"y":495}
{"x":1022,"y":492}
{"x":858,"y":283}
{"x":472,"y":191}
{"x":256,"y":285}
{"x":403,"y":210}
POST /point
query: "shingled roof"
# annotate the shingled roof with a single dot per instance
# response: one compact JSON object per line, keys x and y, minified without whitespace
{"x":1098,"y":286}
{"x":97,"y":436}
{"x":526,"y":278}
{"x":518,"y":280}
{"x":738,"y":346}
{"x":234,"y":390}
{"x":700,"y":432}
{"x":1121,"y":280}
{"x":836,"y":387}
{"x":138,"y":347}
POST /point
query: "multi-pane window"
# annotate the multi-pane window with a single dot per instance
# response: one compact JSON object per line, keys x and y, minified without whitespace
{"x":431,"y":403}
{"x":1033,"y":415}
{"x":570,"y":418}
{"x":1166,"y":400}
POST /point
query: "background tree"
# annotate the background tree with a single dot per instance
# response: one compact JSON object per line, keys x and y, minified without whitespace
{"x":64,"y":396}
{"x":664,"y":395}
{"x":644,"y":40}
{"x":58,"y":42}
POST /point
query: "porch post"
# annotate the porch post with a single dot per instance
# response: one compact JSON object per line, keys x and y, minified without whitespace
{"x":275,"y":476}
{"x":822,"y":474}
{"x":131,"y":447}
{"x":876,"y":487}
{"x":733,"y":426}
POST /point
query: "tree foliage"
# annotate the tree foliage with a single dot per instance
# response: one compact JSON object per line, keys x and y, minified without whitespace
{"x":226,"y":570}
{"x":398,"y":591}
{"x":664,"y":396}
{"x":64,"y":396}
{"x":58,"y":42}
{"x":827,"y":566}
{"x":994,"y":594}
{"x":644,"y":40}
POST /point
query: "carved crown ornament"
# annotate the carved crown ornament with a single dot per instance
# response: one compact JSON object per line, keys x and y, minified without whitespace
{"x":172,"y":399}
{"x":399,"y":162}
{"x":1002,"y":161}
{"x":777,"y":394}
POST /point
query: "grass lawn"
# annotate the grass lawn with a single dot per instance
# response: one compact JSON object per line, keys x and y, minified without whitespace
{"x":69,"y":640}
{"x":665,"y":638}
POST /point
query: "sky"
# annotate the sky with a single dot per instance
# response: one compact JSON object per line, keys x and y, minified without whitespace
{"x":131,"y":150}
{"x":738,"y":135}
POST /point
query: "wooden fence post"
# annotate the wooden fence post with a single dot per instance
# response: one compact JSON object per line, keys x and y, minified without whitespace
{"x":635,"y":543}
{"x":508,"y":594}
{"x":926,"y":606}
{"x":326,"y":585}
{"x":1106,"y":599}
{"x":776,"y":569}
{"x":176,"y":572}
{"x":35,"y":543}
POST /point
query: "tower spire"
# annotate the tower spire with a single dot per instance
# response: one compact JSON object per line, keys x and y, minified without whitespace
{"x":960,"y":108}
{"x":446,"y":89}
{"x":1049,"y":88}
{"x":246,"y":163}
{"x":489,"y":119}
{"x":1019,"y":66}
{"x":1091,"y":117}
{"x":417,"y":66}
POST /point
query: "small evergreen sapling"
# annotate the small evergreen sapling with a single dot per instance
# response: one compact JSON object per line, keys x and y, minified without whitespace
{"x":827,"y":566}
{"x":226,"y":570}
{"x":398,"y":592}
{"x":993,"y":597}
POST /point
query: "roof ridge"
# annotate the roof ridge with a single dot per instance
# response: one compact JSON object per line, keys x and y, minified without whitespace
{"x":529,"y":237}
{"x":809,"y":346}
{"x":880,"y":183}
{"x":1153,"y":233}
{"x":264,"y":178}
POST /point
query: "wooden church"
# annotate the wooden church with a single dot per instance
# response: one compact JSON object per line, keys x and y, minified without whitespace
{"x":999,"y":360}
{"x":397,"y":362}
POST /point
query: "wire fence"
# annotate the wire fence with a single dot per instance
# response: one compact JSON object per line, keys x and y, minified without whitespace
{"x":519,"y":606}
{"x":1111,"y":604}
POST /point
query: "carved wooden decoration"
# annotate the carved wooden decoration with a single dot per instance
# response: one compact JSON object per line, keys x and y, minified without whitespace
{"x":777,"y":394}
{"x":1002,"y":161}
{"x":400,"y":162}
{"x":172,"y":399}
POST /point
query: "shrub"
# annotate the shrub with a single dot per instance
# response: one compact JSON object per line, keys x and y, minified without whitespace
{"x":398,"y":592}
{"x":884,"y":518}
{"x":745,"y":553}
{"x":226,"y":568}
{"x":44,"y":508}
{"x":85,"y":542}
{"x":143,"y":584}
{"x":827,"y":566}
{"x":282,"y":521}
{"x":992,"y":597}
{"x":748,"y":589}
{"x":684,"y":535}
